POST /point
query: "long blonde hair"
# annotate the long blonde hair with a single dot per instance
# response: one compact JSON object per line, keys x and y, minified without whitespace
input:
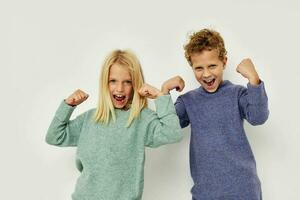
{"x":105,"y":109}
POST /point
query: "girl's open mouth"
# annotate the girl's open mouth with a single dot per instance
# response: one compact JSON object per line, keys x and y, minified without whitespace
{"x":119,"y":97}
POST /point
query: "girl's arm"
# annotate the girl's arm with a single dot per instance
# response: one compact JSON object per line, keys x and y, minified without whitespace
{"x":63,"y":131}
{"x":163,"y":125}
{"x":177,"y":83}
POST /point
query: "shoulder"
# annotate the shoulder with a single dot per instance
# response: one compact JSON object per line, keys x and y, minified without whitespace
{"x":147,"y":113}
{"x":91,"y":111}
{"x":189,"y":94}
{"x":234,"y":88}
{"x":89,"y":114}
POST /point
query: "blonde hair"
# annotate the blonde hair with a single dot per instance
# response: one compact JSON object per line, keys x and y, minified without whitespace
{"x":205,"y":39}
{"x":105,"y":109}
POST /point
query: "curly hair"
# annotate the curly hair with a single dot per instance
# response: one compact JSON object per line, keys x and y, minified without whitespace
{"x":205,"y":39}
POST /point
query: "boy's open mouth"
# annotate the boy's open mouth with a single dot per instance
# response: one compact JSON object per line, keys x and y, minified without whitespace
{"x":209,"y":82}
{"x":119,"y":97}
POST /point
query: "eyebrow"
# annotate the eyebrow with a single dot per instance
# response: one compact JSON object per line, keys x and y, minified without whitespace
{"x":211,"y":65}
{"x":113,"y":78}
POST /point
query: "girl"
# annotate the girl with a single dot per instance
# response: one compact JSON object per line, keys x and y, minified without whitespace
{"x":111,"y":139}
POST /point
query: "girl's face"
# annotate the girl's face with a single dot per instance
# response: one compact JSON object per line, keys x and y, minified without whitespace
{"x":120,"y":86}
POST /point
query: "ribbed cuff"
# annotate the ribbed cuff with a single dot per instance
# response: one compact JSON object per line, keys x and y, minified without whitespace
{"x":257,"y":93}
{"x":164,"y":105}
{"x":64,"y":111}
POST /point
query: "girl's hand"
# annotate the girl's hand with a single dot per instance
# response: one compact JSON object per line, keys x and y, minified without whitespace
{"x":175,"y":82}
{"x":247,"y":70}
{"x":76,"y":98}
{"x":150,"y":91}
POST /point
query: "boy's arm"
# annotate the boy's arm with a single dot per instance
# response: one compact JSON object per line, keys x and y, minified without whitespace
{"x":253,"y":101}
{"x":181,"y":112}
{"x":62,"y":131}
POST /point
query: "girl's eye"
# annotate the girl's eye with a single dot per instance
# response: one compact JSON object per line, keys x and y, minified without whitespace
{"x":212,"y":67}
{"x":112,"y":81}
{"x":128,"y":82}
{"x":198,"y":68}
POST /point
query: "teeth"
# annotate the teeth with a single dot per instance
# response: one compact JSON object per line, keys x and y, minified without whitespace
{"x":119,"y":97}
{"x":207,"y":81}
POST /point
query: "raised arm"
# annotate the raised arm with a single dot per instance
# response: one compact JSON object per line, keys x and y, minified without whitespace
{"x":253,"y":101}
{"x":63,"y":131}
{"x":163,"y":125}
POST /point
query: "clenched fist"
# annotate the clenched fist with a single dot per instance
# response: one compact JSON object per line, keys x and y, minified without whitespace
{"x":76,"y":98}
{"x":149,"y":91}
{"x":173,"y":83}
{"x":247,"y":70}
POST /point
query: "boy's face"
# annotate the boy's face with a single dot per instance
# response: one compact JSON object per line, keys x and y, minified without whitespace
{"x":208,"y":69}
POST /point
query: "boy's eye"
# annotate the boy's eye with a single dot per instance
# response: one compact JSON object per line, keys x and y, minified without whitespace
{"x":212,"y":66}
{"x":198,"y":68}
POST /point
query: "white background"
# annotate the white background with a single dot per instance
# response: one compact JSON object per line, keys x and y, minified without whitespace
{"x":50,"y":48}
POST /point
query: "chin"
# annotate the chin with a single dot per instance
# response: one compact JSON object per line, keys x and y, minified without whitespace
{"x":119,"y":106}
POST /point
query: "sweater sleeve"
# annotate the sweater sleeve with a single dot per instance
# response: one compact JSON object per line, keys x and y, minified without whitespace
{"x":253,"y":104}
{"x":163,"y":127}
{"x":63,"y":131}
{"x":181,"y":112}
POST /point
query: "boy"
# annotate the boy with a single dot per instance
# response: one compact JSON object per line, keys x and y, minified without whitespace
{"x":222,"y":163}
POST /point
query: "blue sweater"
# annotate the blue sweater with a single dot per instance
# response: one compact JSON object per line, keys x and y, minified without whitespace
{"x":222,"y":163}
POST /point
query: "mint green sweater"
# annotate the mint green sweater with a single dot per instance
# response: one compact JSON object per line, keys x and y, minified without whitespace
{"x":111,"y":156}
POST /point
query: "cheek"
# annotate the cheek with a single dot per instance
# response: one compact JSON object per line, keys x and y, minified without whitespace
{"x":198,"y":75}
{"x":219,"y":73}
{"x":129,"y":91}
{"x":110,"y":88}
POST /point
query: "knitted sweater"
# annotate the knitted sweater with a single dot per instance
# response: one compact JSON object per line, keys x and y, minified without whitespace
{"x":110,"y":156}
{"x":221,"y":161}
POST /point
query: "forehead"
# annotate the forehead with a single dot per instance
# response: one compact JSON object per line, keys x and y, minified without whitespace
{"x":120,"y":71}
{"x":205,"y":57}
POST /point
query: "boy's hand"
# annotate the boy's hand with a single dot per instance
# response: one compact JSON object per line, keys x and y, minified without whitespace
{"x":76,"y":98}
{"x":175,"y":82}
{"x":247,"y":70}
{"x":149,"y":91}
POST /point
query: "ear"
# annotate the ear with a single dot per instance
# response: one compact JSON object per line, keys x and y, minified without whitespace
{"x":224,"y":62}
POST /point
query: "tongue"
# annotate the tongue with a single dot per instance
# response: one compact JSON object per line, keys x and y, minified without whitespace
{"x":119,"y":98}
{"x":211,"y":83}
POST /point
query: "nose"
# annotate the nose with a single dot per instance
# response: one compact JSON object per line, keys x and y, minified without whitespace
{"x":120,"y":87}
{"x":206,"y":73}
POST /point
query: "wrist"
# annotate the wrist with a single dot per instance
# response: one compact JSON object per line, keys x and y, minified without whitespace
{"x":68,"y":103}
{"x":164,"y":90}
{"x":160,"y":93}
{"x":254,"y":80}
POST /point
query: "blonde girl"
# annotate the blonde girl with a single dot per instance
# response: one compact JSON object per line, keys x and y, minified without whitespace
{"x":111,"y":138}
